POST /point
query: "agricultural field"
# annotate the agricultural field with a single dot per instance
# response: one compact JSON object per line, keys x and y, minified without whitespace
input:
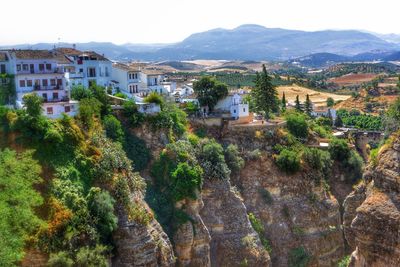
{"x":318,"y":98}
{"x":353,"y":79}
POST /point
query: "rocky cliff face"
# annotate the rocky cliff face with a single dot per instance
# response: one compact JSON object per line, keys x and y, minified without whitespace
{"x":141,"y":245}
{"x":297,"y":214}
{"x":373,"y":229}
{"x":233,"y":240}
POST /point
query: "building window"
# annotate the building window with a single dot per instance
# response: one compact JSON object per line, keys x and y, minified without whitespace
{"x":59,"y":82}
{"x":25,"y":67}
{"x":244,"y":110}
{"x":91,"y":72}
{"x":234,"y":111}
{"x":49,"y":110}
{"x":135,"y":75}
{"x":29,"y":83}
{"x":2,"y":68}
{"x":67,"y":109}
{"x":53,"y":82}
{"x":22,"y":83}
{"x":44,"y":95}
{"x":41,"y":67}
{"x":45,"y":82}
{"x":19,"y":67}
{"x":48,"y":66}
{"x":107,"y":72}
{"x":130,"y":76}
{"x":55,"y":96}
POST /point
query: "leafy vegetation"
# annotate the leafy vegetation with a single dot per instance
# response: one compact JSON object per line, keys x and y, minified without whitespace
{"x":361,"y":121}
{"x":209,"y":91}
{"x":233,"y":159}
{"x":259,"y":228}
{"x":19,"y":173}
{"x":288,"y":161}
{"x":297,"y":125}
{"x":298,"y":257}
{"x":264,"y":94}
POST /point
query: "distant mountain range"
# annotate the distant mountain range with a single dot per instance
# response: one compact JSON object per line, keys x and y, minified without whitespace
{"x":246,"y":42}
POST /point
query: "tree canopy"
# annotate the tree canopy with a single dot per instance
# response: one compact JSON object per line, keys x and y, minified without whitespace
{"x":264,"y":94}
{"x":209,"y":91}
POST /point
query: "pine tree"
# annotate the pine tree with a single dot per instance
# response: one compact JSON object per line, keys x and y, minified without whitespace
{"x":283,"y":102}
{"x":264,"y":94}
{"x":308,"y":105}
{"x":298,"y":105}
{"x":338,"y":121}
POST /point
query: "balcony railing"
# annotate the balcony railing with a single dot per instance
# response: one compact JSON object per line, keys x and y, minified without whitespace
{"x":42,"y":88}
{"x":55,"y":100}
{"x":55,"y":71}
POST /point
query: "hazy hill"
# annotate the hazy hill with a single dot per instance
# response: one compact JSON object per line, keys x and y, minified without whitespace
{"x":246,"y":42}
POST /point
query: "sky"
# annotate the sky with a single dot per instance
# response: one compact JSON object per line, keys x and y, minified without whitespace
{"x":168,"y":21}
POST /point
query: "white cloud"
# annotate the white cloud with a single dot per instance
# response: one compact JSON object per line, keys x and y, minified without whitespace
{"x":160,"y":21}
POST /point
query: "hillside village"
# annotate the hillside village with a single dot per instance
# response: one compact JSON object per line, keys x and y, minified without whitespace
{"x":225,"y":163}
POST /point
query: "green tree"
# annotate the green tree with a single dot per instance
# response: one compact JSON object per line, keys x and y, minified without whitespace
{"x":288,"y":161}
{"x":339,"y":149}
{"x":7,"y":90}
{"x":338,"y":121}
{"x":101,"y":207}
{"x":297,"y":125}
{"x":233,"y":159}
{"x":186,"y":181}
{"x":99,"y":92}
{"x":264,"y":94}
{"x":155,"y":98}
{"x":79,"y":92}
{"x":210,"y":91}
{"x":297,"y":106}
{"x":283,"y":108}
{"x":88,"y":109}
{"x":33,"y":104}
{"x":308,"y":106}
{"x":330,"y":102}
{"x":211,"y":157}
{"x":113,"y":128}
{"x":18,"y":199}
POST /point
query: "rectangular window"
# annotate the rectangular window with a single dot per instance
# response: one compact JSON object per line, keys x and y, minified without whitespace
{"x":19,"y":67}
{"x":53,"y":82}
{"x":44,"y":95}
{"x":25,"y":67}
{"x":29,"y":83}
{"x":45,"y":82}
{"x":48,"y":66}
{"x":2,"y":68}
{"x":107,"y":72}
{"x":21,"y":83}
{"x":55,"y":96}
{"x":244,"y":110}
{"x":41,"y":67}
{"x":49,"y":110}
{"x":130,"y":76}
{"x":67,"y":109}
{"x":59,"y":82}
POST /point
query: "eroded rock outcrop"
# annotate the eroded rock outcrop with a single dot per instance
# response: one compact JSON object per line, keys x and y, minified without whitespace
{"x":233,"y":240}
{"x":374,"y":232}
{"x":297,"y":214}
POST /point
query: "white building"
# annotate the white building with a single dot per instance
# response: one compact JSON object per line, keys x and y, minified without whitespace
{"x":37,"y":71}
{"x":128,"y":79}
{"x":324,"y":112}
{"x":86,"y":68}
{"x":234,"y":105}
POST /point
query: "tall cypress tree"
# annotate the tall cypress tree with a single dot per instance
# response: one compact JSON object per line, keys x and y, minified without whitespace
{"x":264,"y":94}
{"x":308,"y":105}
{"x":298,"y":105}
{"x":283,"y":102}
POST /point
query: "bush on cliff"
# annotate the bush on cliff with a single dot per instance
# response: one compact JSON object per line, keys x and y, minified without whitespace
{"x":288,"y":161}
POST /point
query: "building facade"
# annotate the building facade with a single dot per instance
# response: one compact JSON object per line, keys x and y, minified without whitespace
{"x":37,"y":71}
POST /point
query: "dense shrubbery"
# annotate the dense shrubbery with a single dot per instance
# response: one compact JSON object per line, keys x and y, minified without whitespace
{"x":137,"y":151}
{"x":297,"y":125}
{"x":113,"y":128}
{"x":18,"y":199}
{"x":155,"y":98}
{"x":171,"y":118}
{"x":211,"y":157}
{"x":361,"y":121}
{"x":288,"y":161}
{"x":233,"y":159}
{"x":318,"y":159}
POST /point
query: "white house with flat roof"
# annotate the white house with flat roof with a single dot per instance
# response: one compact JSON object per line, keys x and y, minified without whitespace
{"x":234,"y":105}
{"x":128,"y":80}
{"x":87,"y":67}
{"x":37,"y":71}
